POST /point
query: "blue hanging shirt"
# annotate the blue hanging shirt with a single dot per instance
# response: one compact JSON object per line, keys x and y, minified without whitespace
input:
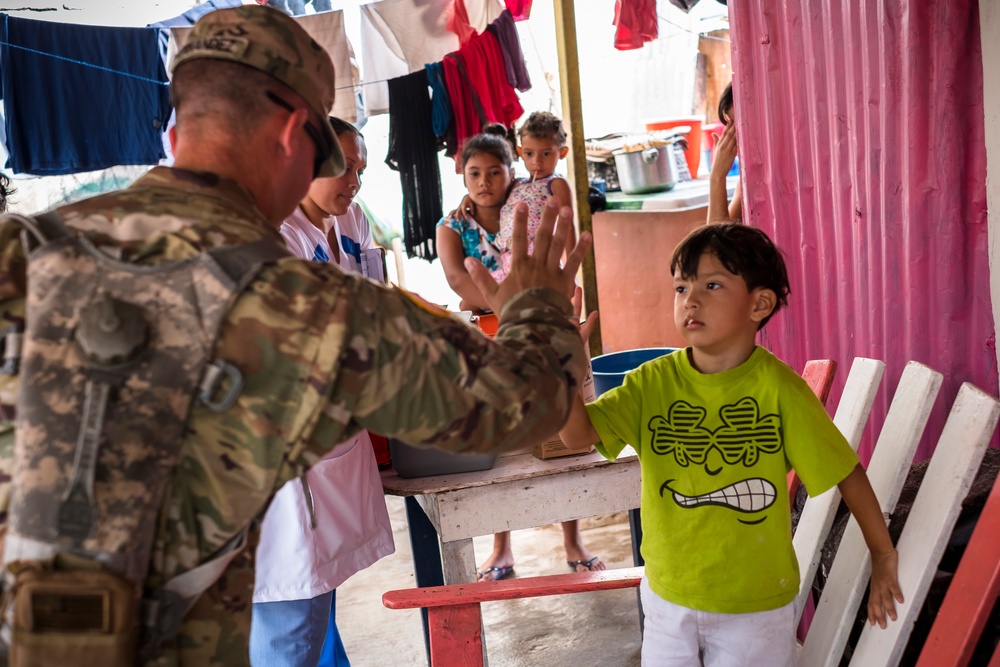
{"x":80,"y":98}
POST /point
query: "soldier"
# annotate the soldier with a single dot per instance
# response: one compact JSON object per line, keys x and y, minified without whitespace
{"x":323,"y":354}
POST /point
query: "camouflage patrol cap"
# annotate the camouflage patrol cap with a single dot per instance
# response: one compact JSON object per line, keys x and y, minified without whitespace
{"x":272,"y":42}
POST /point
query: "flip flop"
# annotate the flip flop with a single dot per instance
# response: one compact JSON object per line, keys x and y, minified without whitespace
{"x":573,"y":564}
{"x":501,"y":573}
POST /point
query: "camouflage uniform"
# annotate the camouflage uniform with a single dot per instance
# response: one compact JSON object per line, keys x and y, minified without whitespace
{"x":324,"y":354}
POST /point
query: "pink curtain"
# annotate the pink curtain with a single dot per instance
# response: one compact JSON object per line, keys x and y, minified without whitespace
{"x":861,"y":143}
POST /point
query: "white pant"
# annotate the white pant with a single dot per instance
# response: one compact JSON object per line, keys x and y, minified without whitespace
{"x":676,"y":636}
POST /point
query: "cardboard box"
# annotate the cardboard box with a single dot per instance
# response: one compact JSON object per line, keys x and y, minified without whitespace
{"x":554,"y":447}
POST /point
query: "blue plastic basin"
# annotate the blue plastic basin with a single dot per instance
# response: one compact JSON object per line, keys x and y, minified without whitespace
{"x":610,"y":369}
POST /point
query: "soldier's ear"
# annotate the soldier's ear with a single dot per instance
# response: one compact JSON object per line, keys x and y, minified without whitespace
{"x":172,"y":137}
{"x":292,"y":135}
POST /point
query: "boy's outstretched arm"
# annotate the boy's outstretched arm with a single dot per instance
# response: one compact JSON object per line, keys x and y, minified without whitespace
{"x":885,"y":591}
{"x":578,"y":432}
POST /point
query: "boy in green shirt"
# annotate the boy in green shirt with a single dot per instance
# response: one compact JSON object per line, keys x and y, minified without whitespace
{"x":716,"y":427}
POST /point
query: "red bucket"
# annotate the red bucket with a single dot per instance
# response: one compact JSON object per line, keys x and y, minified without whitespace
{"x":693,"y":153}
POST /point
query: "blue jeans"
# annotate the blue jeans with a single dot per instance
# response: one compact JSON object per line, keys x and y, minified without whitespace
{"x":297,"y":633}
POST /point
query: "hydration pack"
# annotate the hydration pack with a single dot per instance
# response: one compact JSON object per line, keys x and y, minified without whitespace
{"x":112,"y":357}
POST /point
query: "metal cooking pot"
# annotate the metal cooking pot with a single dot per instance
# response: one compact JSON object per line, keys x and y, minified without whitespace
{"x":649,"y":170}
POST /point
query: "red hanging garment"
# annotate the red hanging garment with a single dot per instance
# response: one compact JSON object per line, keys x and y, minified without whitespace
{"x":637,"y":23}
{"x":488,"y":75}
{"x":519,"y":9}
{"x":458,"y":22}
{"x":466,"y":109}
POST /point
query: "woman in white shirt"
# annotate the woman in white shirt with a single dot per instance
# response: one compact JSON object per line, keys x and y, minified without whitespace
{"x":321,"y":529}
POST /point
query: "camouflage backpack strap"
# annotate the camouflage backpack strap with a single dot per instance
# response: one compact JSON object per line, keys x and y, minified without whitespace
{"x":163,"y":610}
{"x":37,"y":231}
{"x":242,"y":263}
{"x":222,"y":382}
{"x":40,"y":229}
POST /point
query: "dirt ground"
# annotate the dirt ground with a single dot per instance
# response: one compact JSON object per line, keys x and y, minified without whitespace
{"x":582,"y":630}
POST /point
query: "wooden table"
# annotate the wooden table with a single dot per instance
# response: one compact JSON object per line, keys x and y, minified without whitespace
{"x":520,"y":491}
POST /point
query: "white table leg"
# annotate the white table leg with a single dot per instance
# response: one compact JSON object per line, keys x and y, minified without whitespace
{"x":458,"y":562}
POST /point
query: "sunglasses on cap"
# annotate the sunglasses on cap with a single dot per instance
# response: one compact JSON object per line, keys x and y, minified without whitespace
{"x":323,"y":147}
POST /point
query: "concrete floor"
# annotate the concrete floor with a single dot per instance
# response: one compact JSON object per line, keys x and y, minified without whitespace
{"x":581,"y":630}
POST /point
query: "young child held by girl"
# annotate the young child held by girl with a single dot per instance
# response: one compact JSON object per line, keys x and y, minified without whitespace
{"x":543,"y":144}
{"x":716,"y":427}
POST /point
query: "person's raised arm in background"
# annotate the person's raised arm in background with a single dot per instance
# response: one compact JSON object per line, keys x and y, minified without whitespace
{"x":720,"y":208}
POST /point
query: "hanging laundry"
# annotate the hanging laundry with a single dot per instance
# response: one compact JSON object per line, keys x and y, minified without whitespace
{"x":469,"y":18}
{"x":186,"y":19}
{"x":328,"y":29}
{"x":329,"y":32}
{"x":637,"y":23}
{"x":440,"y":102}
{"x":519,"y":9}
{"x":477,"y":84}
{"x":459,"y":23}
{"x":399,"y":37}
{"x":191,"y":16}
{"x":481,"y":13}
{"x":56,"y":81}
{"x":484,"y":64}
{"x":465,"y":106}
{"x":413,"y":153}
{"x":505,"y":31}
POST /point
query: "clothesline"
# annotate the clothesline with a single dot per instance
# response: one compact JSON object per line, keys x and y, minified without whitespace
{"x":693,"y":32}
{"x":349,"y":87}
{"x":86,"y":64}
{"x":143,"y":78}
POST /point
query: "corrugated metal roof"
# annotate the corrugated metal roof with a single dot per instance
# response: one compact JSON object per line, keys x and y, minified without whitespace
{"x":862,"y":148}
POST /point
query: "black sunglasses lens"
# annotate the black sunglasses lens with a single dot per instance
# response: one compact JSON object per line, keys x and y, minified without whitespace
{"x":322,"y":148}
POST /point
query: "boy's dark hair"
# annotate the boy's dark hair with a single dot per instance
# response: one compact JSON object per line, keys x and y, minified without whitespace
{"x":743,"y":250}
{"x":340,"y":126}
{"x":493,"y":141}
{"x":725,"y":103}
{"x":543,"y":125}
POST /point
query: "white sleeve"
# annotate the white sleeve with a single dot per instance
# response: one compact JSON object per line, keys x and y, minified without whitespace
{"x":297,"y":244}
{"x":363,"y":227}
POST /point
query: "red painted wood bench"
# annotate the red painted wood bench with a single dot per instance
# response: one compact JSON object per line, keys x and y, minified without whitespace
{"x":454,"y":615}
{"x":971,"y":596}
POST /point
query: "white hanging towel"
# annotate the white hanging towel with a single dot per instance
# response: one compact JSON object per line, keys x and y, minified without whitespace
{"x":399,"y":37}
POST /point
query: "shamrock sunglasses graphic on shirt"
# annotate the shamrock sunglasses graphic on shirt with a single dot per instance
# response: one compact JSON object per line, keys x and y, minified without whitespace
{"x":743,"y":436}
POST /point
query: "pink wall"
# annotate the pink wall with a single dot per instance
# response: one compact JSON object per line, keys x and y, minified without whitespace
{"x":861,"y":142}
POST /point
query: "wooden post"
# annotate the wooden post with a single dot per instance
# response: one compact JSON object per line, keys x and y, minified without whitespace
{"x":572,"y":113}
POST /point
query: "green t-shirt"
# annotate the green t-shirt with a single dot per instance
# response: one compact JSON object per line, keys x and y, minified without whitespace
{"x":715,"y":451}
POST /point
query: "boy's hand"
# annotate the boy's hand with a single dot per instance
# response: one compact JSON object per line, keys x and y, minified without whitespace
{"x":540,"y":269}
{"x":587,"y":326}
{"x":885,"y":591}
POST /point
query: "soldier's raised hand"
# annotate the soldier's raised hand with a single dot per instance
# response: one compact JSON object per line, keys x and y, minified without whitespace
{"x":543,"y":267}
